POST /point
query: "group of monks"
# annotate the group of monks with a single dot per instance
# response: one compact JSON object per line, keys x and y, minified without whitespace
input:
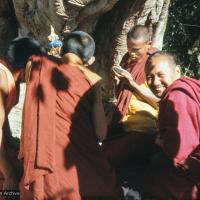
{"x":149,"y":139}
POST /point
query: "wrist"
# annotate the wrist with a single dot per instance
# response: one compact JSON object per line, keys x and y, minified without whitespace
{"x":132,"y":82}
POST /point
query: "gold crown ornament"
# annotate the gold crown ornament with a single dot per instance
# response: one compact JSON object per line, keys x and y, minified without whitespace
{"x":54,"y":46}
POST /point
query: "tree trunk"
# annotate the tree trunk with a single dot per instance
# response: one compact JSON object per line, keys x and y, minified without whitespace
{"x":8,"y":25}
{"x":111,"y":31}
{"x":107,"y":20}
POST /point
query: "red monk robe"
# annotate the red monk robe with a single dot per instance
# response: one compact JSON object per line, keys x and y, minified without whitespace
{"x":129,"y":151}
{"x":123,"y":93}
{"x":179,"y":125}
{"x":62,"y":159}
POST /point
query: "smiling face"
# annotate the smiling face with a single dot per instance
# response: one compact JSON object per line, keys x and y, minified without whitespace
{"x":161,"y":73}
{"x":137,"y":48}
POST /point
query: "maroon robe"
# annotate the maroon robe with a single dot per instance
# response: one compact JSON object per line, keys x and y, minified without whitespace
{"x":62,"y":158}
{"x":129,"y":152}
{"x":179,"y":125}
{"x":124,"y":94}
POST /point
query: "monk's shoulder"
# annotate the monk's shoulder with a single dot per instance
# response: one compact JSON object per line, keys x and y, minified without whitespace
{"x":182,"y":90}
{"x":184,"y":83}
{"x":91,"y":76}
{"x":3,"y":82}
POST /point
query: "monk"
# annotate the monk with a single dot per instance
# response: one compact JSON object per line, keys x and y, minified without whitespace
{"x":174,"y":173}
{"x":134,"y":122}
{"x":79,"y":57}
{"x":10,"y":166}
{"x":61,"y":155}
{"x":8,"y":98}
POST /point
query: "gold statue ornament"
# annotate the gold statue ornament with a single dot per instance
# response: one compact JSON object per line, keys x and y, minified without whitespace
{"x":54,"y":46}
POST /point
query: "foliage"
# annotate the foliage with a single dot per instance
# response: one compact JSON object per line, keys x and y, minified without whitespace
{"x":182,"y":37}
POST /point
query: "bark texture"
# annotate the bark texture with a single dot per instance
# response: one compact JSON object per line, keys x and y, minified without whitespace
{"x":107,"y":20}
{"x":8,"y":25}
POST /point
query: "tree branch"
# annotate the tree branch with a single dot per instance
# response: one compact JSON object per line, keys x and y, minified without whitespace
{"x":160,"y":26}
{"x":89,"y":15}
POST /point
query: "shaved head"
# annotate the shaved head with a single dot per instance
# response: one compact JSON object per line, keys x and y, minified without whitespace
{"x":79,"y":43}
{"x":138,"y":42}
{"x":161,"y":54}
{"x":139,"y":32}
{"x":161,"y":71}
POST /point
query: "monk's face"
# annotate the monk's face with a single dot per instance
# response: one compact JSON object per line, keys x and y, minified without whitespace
{"x":160,"y":74}
{"x":137,"y":48}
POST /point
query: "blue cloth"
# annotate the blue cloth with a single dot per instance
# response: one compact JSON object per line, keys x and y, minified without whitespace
{"x":55,"y":43}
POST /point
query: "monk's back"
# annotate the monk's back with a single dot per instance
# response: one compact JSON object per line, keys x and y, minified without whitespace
{"x":69,"y":147}
{"x":82,"y":158}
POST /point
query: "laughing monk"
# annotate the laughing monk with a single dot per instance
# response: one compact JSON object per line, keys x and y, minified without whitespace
{"x":60,"y":151}
{"x":175,"y":172}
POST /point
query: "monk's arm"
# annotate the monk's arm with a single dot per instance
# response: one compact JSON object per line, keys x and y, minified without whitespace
{"x":2,"y":119}
{"x":99,"y":118}
{"x":145,"y":94}
{"x":5,"y":164}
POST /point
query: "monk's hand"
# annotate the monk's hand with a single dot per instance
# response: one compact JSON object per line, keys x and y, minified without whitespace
{"x":124,"y":77}
{"x":115,"y":78}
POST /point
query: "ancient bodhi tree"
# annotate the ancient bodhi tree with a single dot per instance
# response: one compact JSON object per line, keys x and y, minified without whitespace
{"x":108,"y":21}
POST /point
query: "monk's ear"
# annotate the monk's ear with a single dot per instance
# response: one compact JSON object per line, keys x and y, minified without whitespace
{"x":28,"y":71}
{"x":178,"y":71}
{"x":91,"y":60}
{"x":149,"y":43}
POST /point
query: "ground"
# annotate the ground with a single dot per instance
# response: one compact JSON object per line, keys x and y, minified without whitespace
{"x":15,"y":116}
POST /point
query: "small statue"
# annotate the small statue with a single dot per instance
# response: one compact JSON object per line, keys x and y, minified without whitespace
{"x":55,"y":44}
